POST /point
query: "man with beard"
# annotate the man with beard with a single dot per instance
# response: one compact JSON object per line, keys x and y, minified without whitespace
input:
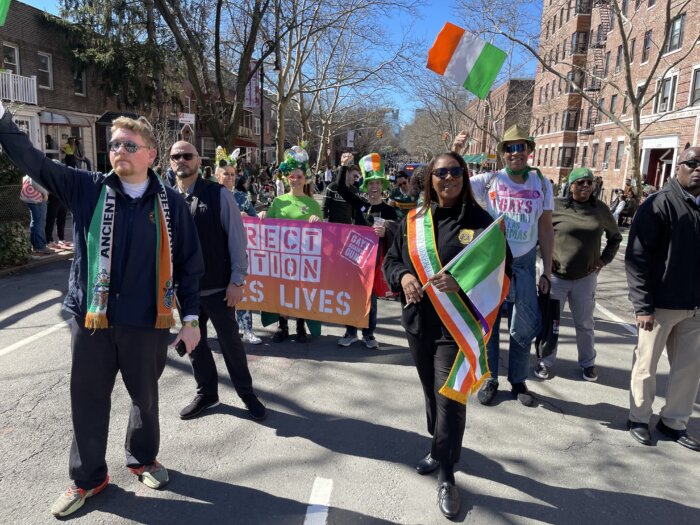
{"x":224,"y":244}
{"x":135,"y":245}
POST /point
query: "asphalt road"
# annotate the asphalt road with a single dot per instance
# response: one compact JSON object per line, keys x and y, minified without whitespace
{"x":344,"y":431}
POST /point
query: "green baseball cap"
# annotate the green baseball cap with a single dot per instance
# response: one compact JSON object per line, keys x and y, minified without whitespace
{"x":580,"y":173}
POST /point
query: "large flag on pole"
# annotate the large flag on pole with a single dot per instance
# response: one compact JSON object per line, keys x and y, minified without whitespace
{"x":480,"y":271}
{"x":4,"y":8}
{"x":465,"y":59}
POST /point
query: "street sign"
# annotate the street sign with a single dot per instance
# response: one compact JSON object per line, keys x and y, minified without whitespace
{"x":186,"y":118}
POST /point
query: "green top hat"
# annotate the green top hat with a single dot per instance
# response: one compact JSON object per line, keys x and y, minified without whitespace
{"x":372,"y":168}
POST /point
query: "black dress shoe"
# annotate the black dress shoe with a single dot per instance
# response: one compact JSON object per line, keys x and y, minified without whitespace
{"x":199,"y":404}
{"x":679,"y":436}
{"x":449,"y":500}
{"x":640,"y":432}
{"x":427,"y":465}
{"x":256,"y":410}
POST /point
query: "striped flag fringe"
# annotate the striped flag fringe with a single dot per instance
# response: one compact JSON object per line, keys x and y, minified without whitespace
{"x":465,"y":59}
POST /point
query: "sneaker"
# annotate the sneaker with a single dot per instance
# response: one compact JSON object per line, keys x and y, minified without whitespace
{"x":280,"y":335}
{"x":199,"y":404}
{"x":370,"y":342}
{"x":256,"y":410}
{"x":74,"y":498}
{"x":154,"y":476}
{"x":541,"y":371}
{"x":348,"y":339}
{"x":590,"y":374}
{"x":250,"y":337}
{"x":522,"y":394}
{"x":488,"y":392}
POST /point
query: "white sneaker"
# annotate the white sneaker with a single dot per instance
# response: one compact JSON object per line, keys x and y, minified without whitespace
{"x":347,"y":340}
{"x":250,"y":337}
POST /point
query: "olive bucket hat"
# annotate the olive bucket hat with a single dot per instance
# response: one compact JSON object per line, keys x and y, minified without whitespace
{"x":514,"y":134}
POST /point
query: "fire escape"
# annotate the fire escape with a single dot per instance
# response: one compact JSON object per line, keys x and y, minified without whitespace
{"x":597,"y":46}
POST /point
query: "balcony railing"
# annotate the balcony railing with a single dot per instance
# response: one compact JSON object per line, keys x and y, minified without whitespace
{"x":245,"y":132}
{"x":16,"y":88}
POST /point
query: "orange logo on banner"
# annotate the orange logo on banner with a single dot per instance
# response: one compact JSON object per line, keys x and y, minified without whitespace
{"x":320,"y":271}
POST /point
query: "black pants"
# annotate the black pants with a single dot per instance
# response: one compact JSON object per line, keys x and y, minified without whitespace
{"x":433,"y":356}
{"x":55,"y":214}
{"x":139,"y":354}
{"x":224,"y":320}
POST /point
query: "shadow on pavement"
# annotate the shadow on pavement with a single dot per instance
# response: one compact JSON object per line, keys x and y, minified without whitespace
{"x":216,"y":502}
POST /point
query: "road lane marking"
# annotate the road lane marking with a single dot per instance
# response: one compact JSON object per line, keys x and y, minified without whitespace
{"x":32,"y":338}
{"x":317,"y":511}
{"x":629,"y":327}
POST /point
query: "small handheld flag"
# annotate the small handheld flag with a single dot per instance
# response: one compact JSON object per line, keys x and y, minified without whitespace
{"x":465,"y":59}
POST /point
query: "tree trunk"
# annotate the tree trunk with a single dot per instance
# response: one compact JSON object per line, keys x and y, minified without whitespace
{"x":280,"y":133}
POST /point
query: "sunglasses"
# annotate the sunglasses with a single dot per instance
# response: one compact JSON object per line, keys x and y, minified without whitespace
{"x":584,"y":182}
{"x":515,"y":148}
{"x":692,"y":164}
{"x":442,"y":173}
{"x":129,"y":146}
{"x":185,"y":156}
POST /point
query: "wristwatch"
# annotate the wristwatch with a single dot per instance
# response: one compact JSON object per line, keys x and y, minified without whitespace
{"x":194,"y":323}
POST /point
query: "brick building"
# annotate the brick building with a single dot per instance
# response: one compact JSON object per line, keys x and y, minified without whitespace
{"x":671,"y":117}
{"x":486,"y":120}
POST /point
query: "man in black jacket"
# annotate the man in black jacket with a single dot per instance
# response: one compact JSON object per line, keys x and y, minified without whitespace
{"x":141,"y":237}
{"x":662,"y":261}
{"x":223,"y":241}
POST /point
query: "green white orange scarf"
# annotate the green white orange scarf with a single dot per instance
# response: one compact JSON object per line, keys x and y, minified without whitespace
{"x":99,"y":256}
{"x":480,"y":272}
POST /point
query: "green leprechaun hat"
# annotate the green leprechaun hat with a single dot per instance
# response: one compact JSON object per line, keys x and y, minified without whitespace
{"x":372,"y":168}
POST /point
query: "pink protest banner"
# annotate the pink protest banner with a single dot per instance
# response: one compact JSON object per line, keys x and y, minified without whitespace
{"x":322,"y":271}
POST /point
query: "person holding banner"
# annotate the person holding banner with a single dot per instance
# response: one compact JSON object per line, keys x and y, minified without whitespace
{"x":526,"y":199}
{"x":373,"y":212}
{"x":454,"y":219}
{"x":295,"y":205}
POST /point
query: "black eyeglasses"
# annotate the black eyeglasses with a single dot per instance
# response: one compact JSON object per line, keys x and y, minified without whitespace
{"x":129,"y":146}
{"x":515,"y":148}
{"x":692,"y":164}
{"x":584,"y":182}
{"x":178,"y":156}
{"x":442,"y":173}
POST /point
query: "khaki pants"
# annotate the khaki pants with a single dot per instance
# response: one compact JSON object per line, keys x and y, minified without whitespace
{"x":679,"y":332}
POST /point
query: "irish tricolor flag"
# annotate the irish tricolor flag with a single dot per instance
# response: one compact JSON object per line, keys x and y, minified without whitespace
{"x":465,"y":59}
{"x":480,"y":271}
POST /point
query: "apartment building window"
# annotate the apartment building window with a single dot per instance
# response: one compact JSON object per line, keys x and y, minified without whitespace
{"x":606,"y":155}
{"x":560,"y":156}
{"x":618,"y":59}
{"x":584,"y":155}
{"x":606,"y":66}
{"x":613,"y":103}
{"x":563,"y":50}
{"x":647,"y":46}
{"x":556,"y":122}
{"x":625,"y":100}
{"x":10,"y":58}
{"x":549,"y":123}
{"x":652,"y":3}
{"x":633,"y":45}
{"x":594,"y":158}
{"x":546,"y":152}
{"x":554,"y":23}
{"x":675,"y":34}
{"x":44,"y":76}
{"x":256,"y":125}
{"x":208,"y":147}
{"x":551,"y":157}
{"x":561,"y":80}
{"x":79,"y":84}
{"x":566,"y":157}
{"x":546,"y":92}
{"x":546,"y":30}
{"x":570,"y":120}
{"x":556,"y":55}
{"x":554,"y":86}
{"x":561,"y":16}
{"x":579,"y":42}
{"x":618,"y":154}
{"x":665,"y":95}
{"x":695,"y":99}
{"x":623,"y":7}
{"x":637,"y":4}
{"x":583,"y":7}
{"x":539,"y":99}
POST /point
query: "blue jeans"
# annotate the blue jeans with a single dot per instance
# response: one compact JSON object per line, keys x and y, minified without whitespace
{"x":37,"y":226}
{"x":245,"y":320}
{"x":369,"y":331}
{"x":524,"y":321}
